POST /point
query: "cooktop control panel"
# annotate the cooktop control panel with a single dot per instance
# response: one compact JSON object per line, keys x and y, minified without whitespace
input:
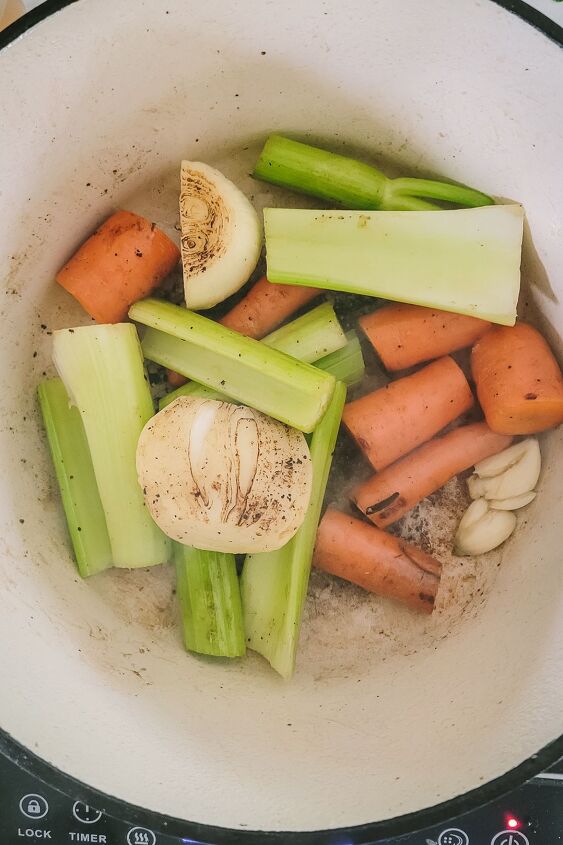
{"x":33,"y":813}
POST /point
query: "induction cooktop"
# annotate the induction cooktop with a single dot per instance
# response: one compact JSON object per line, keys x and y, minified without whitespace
{"x":33,"y":812}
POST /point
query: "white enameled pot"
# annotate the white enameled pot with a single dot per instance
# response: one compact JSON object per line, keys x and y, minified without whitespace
{"x":388,"y":715}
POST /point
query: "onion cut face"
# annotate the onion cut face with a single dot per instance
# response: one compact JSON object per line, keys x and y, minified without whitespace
{"x":221,"y":235}
{"x":224,"y":477}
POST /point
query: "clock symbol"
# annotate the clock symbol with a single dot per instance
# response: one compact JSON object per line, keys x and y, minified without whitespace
{"x":85,"y":814}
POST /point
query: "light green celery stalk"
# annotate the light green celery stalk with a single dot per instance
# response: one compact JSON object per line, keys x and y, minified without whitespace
{"x":345,"y":364}
{"x":210,"y":604}
{"x":102,"y":370}
{"x":352,"y":184}
{"x":317,"y":333}
{"x":244,"y":369}
{"x":192,"y":388}
{"x":466,"y":261}
{"x":274,"y":584}
{"x":75,"y":476}
{"x":311,"y":336}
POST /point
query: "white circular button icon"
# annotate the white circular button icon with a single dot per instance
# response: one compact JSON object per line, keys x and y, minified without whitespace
{"x":34,"y":806}
{"x":510,"y":837}
{"x":141,"y":836}
{"x":453,"y":836}
{"x":85,"y":814}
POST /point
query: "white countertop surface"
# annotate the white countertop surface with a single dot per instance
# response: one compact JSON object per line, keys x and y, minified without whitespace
{"x":15,"y":8}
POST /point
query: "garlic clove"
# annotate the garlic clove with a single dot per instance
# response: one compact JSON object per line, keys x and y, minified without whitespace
{"x":520,"y":477}
{"x":489,"y":467}
{"x":513,"y":503}
{"x":500,"y":462}
{"x":476,"y":487}
{"x":482,"y":529}
{"x":474,"y":513}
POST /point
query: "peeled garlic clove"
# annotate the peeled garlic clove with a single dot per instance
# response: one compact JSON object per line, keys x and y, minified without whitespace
{"x":513,"y":503}
{"x":221,"y":235}
{"x":520,"y":477}
{"x":476,"y":486}
{"x":482,"y":529}
{"x":489,"y":467}
{"x":502,"y":461}
{"x":474,"y":513}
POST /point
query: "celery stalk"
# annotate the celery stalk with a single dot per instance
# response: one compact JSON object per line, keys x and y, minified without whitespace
{"x":209,"y":597}
{"x":346,"y":364}
{"x":317,"y":333}
{"x":244,"y":369}
{"x":75,"y":476}
{"x":191,"y":388}
{"x":274,"y":584}
{"x":467,"y":261}
{"x":350,"y":183}
{"x":102,"y":370}
{"x":311,"y":336}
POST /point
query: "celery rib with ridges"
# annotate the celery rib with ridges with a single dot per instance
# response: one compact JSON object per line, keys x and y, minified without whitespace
{"x":345,"y":364}
{"x":210,"y":603}
{"x":274,"y":584}
{"x":309,"y":337}
{"x":466,"y":261}
{"x":353,"y":184}
{"x":102,"y":370}
{"x":75,"y":476}
{"x":242,"y":368}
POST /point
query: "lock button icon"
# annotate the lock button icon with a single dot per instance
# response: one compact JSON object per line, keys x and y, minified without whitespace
{"x":34,"y":806}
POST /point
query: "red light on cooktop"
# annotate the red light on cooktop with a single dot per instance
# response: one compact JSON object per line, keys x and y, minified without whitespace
{"x":512,"y":823}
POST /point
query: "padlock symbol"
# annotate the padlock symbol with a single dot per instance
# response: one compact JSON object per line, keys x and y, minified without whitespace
{"x":34,"y":806}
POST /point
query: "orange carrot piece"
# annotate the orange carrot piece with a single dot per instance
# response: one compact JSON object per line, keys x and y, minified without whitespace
{"x":390,"y":494}
{"x":519,"y":382}
{"x":263,"y":309}
{"x":122,"y":262}
{"x":394,"y":420}
{"x":175,"y":379}
{"x":405,"y":335}
{"x":376,"y":561}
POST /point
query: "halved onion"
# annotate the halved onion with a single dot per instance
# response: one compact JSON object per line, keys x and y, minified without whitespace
{"x":224,"y":477}
{"x":221,"y":235}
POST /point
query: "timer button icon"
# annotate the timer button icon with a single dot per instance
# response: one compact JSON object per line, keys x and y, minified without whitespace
{"x":85,"y":814}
